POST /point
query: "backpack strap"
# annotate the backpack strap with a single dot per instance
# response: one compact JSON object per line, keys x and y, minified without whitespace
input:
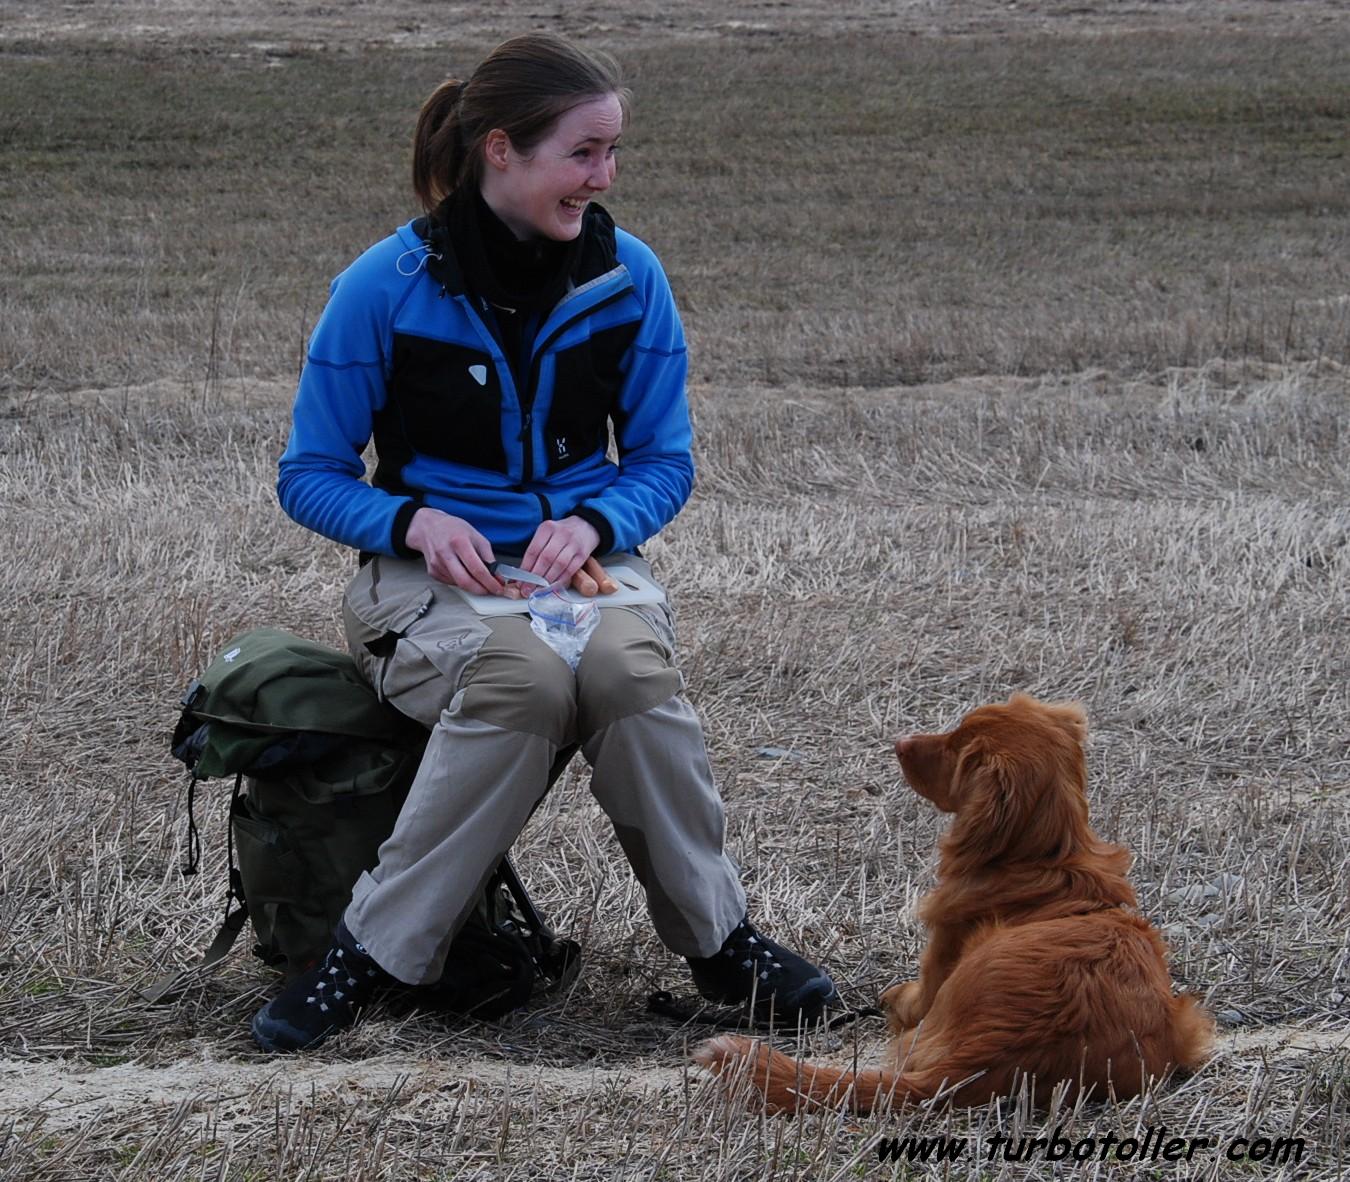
{"x":194,"y":839}
{"x":168,"y":987}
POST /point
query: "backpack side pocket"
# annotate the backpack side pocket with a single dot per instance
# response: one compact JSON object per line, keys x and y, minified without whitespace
{"x":299,"y":861}
{"x":271,"y":874}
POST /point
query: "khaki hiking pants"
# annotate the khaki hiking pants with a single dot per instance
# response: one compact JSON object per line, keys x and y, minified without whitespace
{"x":500,"y":705}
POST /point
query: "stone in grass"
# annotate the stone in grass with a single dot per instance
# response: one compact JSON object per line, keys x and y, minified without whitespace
{"x":1197,"y":892}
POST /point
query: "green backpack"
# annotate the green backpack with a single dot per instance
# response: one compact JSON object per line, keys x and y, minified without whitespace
{"x":321,"y":768}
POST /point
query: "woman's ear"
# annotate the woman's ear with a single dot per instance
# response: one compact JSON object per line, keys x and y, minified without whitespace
{"x":497,"y":148}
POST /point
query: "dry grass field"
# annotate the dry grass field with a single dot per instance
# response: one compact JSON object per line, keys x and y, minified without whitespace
{"x":1021,"y":346}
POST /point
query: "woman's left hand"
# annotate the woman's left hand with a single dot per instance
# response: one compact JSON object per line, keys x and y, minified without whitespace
{"x":558,"y":549}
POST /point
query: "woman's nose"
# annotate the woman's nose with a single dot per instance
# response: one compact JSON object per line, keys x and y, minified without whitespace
{"x":602,"y":175}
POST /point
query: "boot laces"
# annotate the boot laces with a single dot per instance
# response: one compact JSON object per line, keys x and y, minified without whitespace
{"x":751,"y":947}
{"x":348,"y":989}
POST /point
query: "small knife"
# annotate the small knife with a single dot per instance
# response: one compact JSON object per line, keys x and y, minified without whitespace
{"x":513,"y":574}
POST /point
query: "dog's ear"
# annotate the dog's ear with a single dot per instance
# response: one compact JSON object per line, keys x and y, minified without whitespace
{"x":993,"y":798}
{"x":1024,"y":801}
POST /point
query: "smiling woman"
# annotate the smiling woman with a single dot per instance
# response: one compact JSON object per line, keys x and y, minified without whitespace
{"x":494,"y":349}
{"x":544,"y":192}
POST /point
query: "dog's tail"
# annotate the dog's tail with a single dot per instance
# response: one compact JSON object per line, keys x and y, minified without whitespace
{"x":790,"y":1085}
{"x":1192,"y":1032}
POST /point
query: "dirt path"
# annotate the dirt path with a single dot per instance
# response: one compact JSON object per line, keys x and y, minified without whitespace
{"x":67,"y":1095}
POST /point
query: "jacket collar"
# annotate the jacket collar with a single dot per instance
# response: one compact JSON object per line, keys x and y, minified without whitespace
{"x":597,"y":255}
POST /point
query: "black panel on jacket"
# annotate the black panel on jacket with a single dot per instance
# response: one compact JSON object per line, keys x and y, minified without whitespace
{"x":449,"y":399}
{"x":587,"y":381}
{"x":392,"y":452}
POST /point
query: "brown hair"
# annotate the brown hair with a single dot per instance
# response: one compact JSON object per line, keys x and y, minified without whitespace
{"x":523,"y":87}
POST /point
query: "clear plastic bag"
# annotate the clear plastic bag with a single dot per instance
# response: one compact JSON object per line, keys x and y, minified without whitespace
{"x":562,"y":625}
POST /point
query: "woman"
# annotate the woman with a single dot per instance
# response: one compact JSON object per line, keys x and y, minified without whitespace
{"x":487,"y":348}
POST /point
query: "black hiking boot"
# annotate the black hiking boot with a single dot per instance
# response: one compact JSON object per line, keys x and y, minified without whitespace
{"x":749,"y":965}
{"x":322,"y":1001}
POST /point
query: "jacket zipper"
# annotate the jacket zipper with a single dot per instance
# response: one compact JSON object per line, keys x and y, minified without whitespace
{"x":526,"y":437}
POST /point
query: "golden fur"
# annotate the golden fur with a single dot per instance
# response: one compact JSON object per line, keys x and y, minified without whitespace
{"x":1037,"y":963}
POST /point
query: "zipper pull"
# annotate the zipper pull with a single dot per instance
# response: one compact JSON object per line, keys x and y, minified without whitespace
{"x":524,"y":427}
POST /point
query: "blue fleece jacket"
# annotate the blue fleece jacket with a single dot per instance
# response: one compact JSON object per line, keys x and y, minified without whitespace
{"x":403,"y":354}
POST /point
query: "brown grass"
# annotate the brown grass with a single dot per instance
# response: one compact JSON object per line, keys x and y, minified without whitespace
{"x":1016,"y":484}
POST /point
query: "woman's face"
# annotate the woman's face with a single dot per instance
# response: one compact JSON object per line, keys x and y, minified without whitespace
{"x":545,"y":192}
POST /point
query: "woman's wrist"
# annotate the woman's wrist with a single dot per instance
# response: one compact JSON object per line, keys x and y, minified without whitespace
{"x":400,"y":534}
{"x":586,"y":533}
{"x":604,"y":532}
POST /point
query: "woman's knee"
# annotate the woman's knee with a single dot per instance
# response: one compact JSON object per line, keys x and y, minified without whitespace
{"x":518,"y":683}
{"x":626,"y":669}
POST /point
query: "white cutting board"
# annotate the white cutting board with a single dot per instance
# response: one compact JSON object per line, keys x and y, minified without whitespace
{"x":633,"y":589}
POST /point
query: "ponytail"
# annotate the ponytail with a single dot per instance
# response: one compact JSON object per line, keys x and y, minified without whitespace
{"x":438,"y":145}
{"x":523,"y":87}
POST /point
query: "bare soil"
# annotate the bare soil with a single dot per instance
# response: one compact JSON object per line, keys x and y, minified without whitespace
{"x":352,"y":25}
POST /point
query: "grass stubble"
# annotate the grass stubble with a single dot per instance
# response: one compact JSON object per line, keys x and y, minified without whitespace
{"x":1091,"y":443}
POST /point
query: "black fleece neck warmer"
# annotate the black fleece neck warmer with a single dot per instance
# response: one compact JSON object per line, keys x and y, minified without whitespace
{"x":529,"y":276}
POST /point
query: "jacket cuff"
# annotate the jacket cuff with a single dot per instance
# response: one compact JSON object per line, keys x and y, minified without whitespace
{"x":399,"y":534}
{"x":602,"y":527}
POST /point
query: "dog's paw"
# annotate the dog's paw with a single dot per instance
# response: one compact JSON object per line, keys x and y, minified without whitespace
{"x":725,"y":1051}
{"x":901,"y":1003}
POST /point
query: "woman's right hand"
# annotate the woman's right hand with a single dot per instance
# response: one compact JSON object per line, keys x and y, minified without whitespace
{"x":454,"y":552}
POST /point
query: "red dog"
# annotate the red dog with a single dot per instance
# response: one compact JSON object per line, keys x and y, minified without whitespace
{"x":1037,"y":964}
